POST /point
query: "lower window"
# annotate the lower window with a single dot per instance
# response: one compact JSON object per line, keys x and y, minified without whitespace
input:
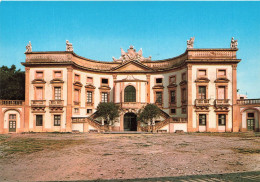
{"x":202,"y":119}
{"x":221,"y":119}
{"x":57,"y":120}
{"x":38,"y":120}
{"x":89,"y":111}
{"x":173,"y":111}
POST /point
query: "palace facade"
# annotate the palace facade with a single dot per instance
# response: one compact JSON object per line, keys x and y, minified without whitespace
{"x":195,"y":91}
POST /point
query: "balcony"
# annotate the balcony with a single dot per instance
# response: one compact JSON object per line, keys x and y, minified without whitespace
{"x":248,"y":102}
{"x":56,"y":106}
{"x":11,"y":102}
{"x":56,"y":103}
{"x":202,"y":104}
{"x":38,"y":103}
{"x":38,"y":106}
{"x":222,"y":102}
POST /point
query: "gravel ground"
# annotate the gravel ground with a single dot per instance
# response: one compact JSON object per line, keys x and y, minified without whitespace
{"x":127,"y":156}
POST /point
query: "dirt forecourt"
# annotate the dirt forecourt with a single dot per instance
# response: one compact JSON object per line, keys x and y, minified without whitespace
{"x":54,"y":156}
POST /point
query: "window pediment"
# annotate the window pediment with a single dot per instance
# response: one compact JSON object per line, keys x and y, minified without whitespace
{"x":35,"y":81}
{"x":221,"y":80}
{"x":56,"y":80}
{"x":202,"y":80}
{"x":183,"y":82}
{"x":172,"y":85}
{"x":77,"y":84}
{"x":105,"y":87}
{"x":90,"y":86}
{"x":158,"y":87}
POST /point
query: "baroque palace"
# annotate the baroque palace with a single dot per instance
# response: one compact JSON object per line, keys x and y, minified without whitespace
{"x":195,"y":91}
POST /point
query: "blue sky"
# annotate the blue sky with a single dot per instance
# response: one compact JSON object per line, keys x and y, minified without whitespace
{"x":98,"y":30}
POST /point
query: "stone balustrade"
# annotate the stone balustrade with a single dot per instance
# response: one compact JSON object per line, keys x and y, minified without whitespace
{"x":11,"y":102}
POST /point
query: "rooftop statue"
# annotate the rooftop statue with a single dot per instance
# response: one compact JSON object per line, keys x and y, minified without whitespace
{"x":28,"y":47}
{"x":233,"y":44}
{"x":69,"y":46}
{"x":131,"y":55}
{"x":190,"y":42}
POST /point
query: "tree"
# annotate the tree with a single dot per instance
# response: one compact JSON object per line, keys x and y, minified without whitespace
{"x":108,"y":111}
{"x":148,"y":113}
{"x":12,"y":83}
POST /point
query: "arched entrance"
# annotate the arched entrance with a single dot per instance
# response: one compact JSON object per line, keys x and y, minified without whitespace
{"x":130,"y":123}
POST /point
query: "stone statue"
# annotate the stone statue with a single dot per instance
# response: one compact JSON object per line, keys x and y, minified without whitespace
{"x":131,"y":55}
{"x":29,"y":47}
{"x":233,"y":44}
{"x":69,"y":46}
{"x":190,"y":42}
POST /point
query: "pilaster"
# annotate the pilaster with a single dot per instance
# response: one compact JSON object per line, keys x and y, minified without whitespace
{"x":69,"y":100}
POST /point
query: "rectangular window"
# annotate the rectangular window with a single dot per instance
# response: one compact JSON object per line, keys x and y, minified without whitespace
{"x":172,"y":79}
{"x":172,"y":96}
{"x":89,"y":97}
{"x":173,"y":111}
{"x":12,"y":117}
{"x":202,"y":73}
{"x":39,"y":93}
{"x":57,"y":120}
{"x":221,"y":119}
{"x":57,"y":74}
{"x":76,"y":95}
{"x":38,"y":120}
{"x":158,"y":97}
{"x":202,"y":119}
{"x":57,"y":93}
{"x":89,"y":79}
{"x":158,"y":80}
{"x":250,"y":115}
{"x":77,"y":78}
{"x":104,"y":81}
{"x":221,"y":72}
{"x":183,"y":110}
{"x":76,"y":110}
{"x":202,"y":92}
{"x":89,"y":111}
{"x":221,"y":92}
{"x":104,"y":97}
{"x":183,"y":76}
{"x":39,"y":74}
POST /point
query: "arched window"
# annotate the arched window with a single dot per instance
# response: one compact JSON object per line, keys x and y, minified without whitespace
{"x":130,"y":94}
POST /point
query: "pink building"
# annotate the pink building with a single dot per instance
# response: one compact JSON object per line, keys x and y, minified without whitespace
{"x":196,"y":91}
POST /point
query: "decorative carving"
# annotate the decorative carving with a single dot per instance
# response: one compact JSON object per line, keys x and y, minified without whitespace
{"x":69,"y":46}
{"x":233,"y":44}
{"x":131,"y":55}
{"x":28,"y":47}
{"x":190,"y":42}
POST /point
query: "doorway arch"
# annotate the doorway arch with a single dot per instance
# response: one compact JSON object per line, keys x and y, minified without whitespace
{"x":130,"y":122}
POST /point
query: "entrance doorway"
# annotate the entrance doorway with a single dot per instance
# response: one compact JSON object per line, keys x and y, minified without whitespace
{"x":12,"y":123}
{"x":130,"y":123}
{"x":250,"y":124}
